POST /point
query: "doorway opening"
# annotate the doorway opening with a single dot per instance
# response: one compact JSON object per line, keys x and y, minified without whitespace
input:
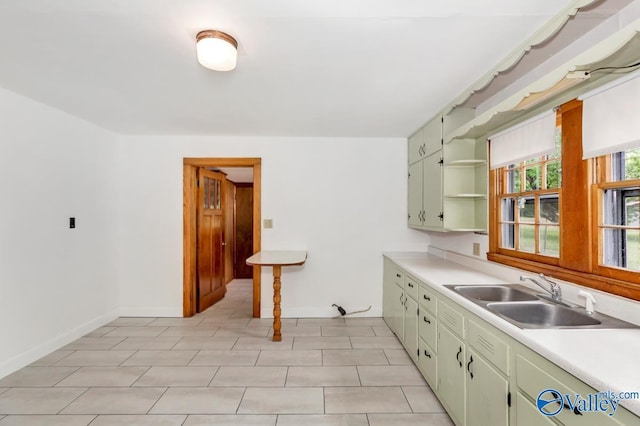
{"x":191,"y":166}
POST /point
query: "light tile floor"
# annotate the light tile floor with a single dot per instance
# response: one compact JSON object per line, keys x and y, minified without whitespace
{"x":221,"y":368}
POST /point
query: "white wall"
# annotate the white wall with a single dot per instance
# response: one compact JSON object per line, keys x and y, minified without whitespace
{"x":55,"y":283}
{"x":343,"y":200}
{"x":460,"y":242}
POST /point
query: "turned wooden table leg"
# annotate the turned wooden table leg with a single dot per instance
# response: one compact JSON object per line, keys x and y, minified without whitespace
{"x":277,"y":337}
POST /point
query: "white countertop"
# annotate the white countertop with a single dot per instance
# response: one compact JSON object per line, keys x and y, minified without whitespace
{"x":278,"y":258}
{"x":604,"y":359}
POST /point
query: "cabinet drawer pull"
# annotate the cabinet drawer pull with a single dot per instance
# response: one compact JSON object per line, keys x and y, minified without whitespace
{"x":469,"y":366}
{"x":410,"y":285}
{"x":398,"y":276}
{"x":427,"y":354}
{"x":426,"y":320}
{"x":565,"y":405}
{"x":458,"y":356}
{"x":427,"y":298}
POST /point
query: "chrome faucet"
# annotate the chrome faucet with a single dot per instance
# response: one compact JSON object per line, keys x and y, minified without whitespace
{"x":554,"y":288}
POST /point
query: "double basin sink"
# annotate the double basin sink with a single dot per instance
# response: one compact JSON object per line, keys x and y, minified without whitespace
{"x":526,"y":308}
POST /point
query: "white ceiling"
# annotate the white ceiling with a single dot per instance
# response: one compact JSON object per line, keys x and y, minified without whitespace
{"x":238,"y":174}
{"x":305,"y":68}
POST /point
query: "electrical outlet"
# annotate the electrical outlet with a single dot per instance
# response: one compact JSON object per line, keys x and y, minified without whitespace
{"x":476,"y":249}
{"x":268,"y":223}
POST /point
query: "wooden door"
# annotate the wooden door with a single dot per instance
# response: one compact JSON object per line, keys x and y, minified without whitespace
{"x":243,"y":230}
{"x":210,"y":229}
{"x":229,"y":230}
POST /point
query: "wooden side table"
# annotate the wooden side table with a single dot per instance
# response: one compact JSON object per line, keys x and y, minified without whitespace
{"x":277,"y":259}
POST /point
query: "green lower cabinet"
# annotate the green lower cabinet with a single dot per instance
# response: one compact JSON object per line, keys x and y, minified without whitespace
{"x":528,"y":415}
{"x":451,"y":374}
{"x":482,"y":376}
{"x":428,"y":363}
{"x":397,"y":311}
{"x":487,"y":393}
{"x":539,"y":378}
{"x":411,"y":327}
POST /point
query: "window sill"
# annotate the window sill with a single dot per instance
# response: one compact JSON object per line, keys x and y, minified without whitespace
{"x":630,"y":290}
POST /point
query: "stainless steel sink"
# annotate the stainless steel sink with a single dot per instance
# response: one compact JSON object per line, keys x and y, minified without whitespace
{"x":495,"y":293}
{"x":525,"y":308}
{"x":542,"y":314}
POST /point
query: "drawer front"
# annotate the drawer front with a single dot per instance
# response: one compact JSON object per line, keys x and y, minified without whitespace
{"x":397,"y":276}
{"x":411,"y":287}
{"x":451,"y":318}
{"x":490,"y":346}
{"x":532,"y":380}
{"x":428,"y":364}
{"x":427,"y":299}
{"x":427,"y":328}
{"x":528,"y":415}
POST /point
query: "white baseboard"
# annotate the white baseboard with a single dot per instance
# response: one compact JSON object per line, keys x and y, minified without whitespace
{"x":140,"y":311}
{"x":27,"y":357}
{"x":315,"y":312}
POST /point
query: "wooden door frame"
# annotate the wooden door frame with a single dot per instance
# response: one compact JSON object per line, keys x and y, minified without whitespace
{"x":189,"y":196}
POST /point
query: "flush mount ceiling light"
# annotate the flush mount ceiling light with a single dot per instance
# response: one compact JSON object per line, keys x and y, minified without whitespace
{"x":216,"y":50}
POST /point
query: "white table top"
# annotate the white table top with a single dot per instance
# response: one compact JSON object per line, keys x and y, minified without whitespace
{"x":278,"y":258}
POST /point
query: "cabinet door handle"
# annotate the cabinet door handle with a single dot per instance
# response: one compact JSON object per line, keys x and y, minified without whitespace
{"x":401,"y":299}
{"x":426,"y":320}
{"x":469,"y":366}
{"x":427,"y":298}
{"x":427,"y":354}
{"x":458,"y":356}
{"x":565,"y":405}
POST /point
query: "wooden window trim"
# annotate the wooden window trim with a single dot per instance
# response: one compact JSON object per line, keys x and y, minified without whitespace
{"x":578,"y":220}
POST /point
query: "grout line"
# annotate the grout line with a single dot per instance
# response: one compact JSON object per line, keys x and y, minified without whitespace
{"x":241,"y":399}
{"x":93,"y":420}
{"x":166,"y":389}
{"x":74,"y":399}
{"x":213,"y":376}
{"x":324,"y":400}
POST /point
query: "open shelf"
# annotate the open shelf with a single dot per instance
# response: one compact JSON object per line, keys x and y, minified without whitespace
{"x":466,"y":163}
{"x":481,"y":196}
{"x":466,"y":229}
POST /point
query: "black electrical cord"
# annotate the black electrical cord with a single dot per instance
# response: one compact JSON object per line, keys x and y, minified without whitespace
{"x":340,"y":309}
{"x":612,"y":68}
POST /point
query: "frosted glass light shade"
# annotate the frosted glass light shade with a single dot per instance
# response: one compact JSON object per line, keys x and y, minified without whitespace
{"x":216,"y":50}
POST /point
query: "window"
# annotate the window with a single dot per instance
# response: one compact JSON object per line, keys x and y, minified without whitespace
{"x":619,"y":218}
{"x":570,"y":218}
{"x":529,"y":202}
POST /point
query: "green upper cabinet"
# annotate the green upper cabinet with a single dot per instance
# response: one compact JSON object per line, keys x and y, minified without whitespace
{"x":447,"y":188}
{"x":416,"y":146}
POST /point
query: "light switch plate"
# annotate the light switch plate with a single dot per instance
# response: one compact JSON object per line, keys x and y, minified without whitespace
{"x":476,"y":249}
{"x":268,"y":223}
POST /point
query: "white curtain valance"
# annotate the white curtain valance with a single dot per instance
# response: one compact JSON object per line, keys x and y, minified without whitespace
{"x":610,"y":117}
{"x":529,"y":139}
